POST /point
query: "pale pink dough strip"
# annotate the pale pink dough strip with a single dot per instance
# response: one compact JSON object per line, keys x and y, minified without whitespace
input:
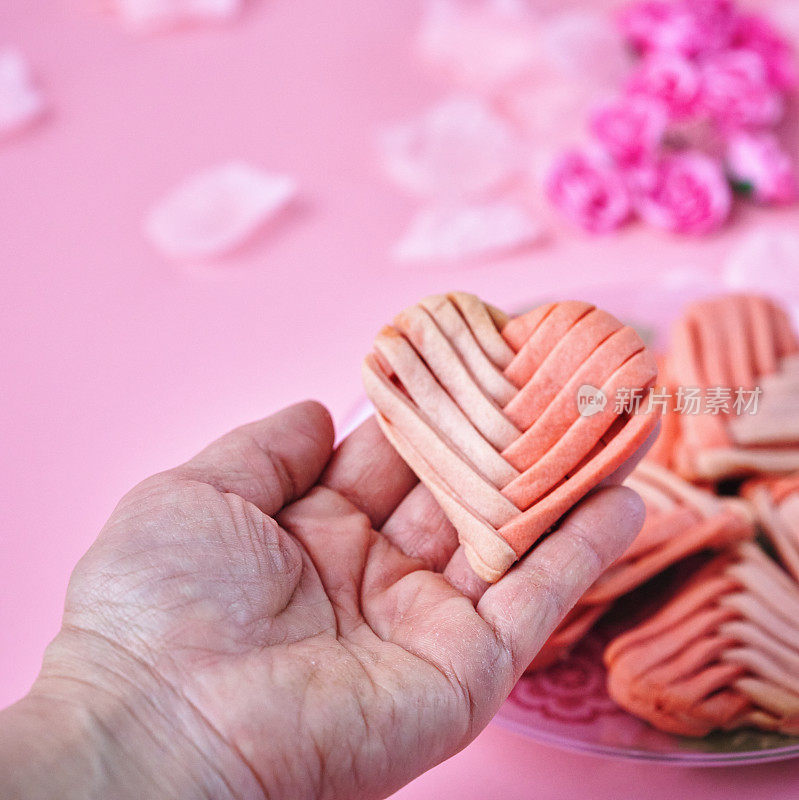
{"x":783,"y":704}
{"x":487,"y":553}
{"x":732,"y":461}
{"x":467,"y":343}
{"x":764,"y":666}
{"x":748,"y":633}
{"x":450,"y":466}
{"x":442,"y":411}
{"x":431,"y":344}
{"x":485,"y":322}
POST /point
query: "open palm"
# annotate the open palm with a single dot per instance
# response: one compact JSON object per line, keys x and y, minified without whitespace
{"x":300,"y":620}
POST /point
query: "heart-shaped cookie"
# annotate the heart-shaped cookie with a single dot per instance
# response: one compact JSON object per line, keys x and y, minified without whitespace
{"x":509,"y":421}
{"x":741,"y":353}
{"x":723,"y":653}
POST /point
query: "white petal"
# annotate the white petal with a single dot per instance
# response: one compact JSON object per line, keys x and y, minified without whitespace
{"x":151,"y":15}
{"x":452,"y":233}
{"x":586,"y":46}
{"x":458,"y":148}
{"x":479,"y":45}
{"x":217,"y":210}
{"x":766,"y":261}
{"x":20,"y":102}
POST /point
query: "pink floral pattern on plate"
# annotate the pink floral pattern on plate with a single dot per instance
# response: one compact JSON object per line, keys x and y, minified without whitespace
{"x":572,"y":689}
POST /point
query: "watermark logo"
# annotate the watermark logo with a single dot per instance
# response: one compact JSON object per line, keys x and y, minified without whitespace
{"x":690,"y":400}
{"x":590,"y":400}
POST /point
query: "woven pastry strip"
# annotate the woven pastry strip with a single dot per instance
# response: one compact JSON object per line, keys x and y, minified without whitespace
{"x":722,"y":654}
{"x":484,"y":408}
{"x":681,"y":520}
{"x":776,"y":501}
{"x":736,"y":342}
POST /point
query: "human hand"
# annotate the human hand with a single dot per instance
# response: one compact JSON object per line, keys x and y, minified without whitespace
{"x":277,"y":619}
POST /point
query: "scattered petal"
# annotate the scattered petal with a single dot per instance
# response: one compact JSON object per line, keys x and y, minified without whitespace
{"x":479,"y":46}
{"x":459,"y":148}
{"x":157,"y":15}
{"x":216,"y":210}
{"x":548,"y":112}
{"x":585,"y":45}
{"x":764,"y":261}
{"x":20,"y":102}
{"x":453,"y":233}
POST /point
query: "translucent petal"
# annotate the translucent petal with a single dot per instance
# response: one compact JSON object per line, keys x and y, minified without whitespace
{"x":765,"y":261}
{"x":585,"y":45}
{"x":216,"y":210}
{"x":452,"y":233}
{"x":458,"y":148}
{"x":478,"y":45}
{"x":20,"y":102}
{"x":161,"y":14}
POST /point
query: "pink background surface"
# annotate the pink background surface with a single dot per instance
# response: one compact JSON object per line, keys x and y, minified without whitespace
{"x":116,"y":364}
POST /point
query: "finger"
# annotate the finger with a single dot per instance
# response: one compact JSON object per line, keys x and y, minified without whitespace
{"x":369,"y":472}
{"x":421,"y":530}
{"x":459,"y":574}
{"x":527,"y":603}
{"x":270,"y":462}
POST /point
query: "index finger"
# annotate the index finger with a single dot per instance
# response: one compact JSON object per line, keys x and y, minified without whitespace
{"x":369,"y":472}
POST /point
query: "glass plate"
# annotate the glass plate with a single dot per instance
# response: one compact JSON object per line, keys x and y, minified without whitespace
{"x":567,"y":705}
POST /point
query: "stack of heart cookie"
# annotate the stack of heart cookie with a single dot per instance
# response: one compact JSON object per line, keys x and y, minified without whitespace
{"x":722,"y":654}
{"x":511,"y":421}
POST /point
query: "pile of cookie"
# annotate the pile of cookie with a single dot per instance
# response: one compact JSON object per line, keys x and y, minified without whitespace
{"x":722,"y":651}
{"x":511,"y":421}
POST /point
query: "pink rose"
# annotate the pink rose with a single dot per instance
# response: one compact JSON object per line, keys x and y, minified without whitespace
{"x":758,"y":160}
{"x":755,"y":33}
{"x":688,"y":194}
{"x":629,"y":128}
{"x":669,"y":78}
{"x":588,"y":191}
{"x":736,"y":91}
{"x":717,"y":21}
{"x":655,"y":25}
